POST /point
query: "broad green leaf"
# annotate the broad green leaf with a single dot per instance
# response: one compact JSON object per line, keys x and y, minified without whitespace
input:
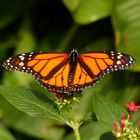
{"x":5,"y":134}
{"x":34,"y":126}
{"x":126,"y":20}
{"x":107,"y":111}
{"x":34,"y":104}
{"x":87,"y":11}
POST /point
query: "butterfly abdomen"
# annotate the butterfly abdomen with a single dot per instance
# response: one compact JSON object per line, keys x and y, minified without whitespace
{"x":73,"y":62}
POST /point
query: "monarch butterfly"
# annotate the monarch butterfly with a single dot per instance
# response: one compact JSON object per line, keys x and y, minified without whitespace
{"x":68,"y":73}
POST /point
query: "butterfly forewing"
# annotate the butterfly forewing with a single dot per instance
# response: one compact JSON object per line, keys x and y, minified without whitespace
{"x":37,"y":64}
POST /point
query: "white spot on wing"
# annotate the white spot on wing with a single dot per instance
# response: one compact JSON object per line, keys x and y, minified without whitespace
{"x":21,"y":57}
{"x":21,"y":64}
{"x":118,"y":62}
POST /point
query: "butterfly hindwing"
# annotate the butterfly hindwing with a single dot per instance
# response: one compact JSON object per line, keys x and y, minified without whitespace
{"x":59,"y":81}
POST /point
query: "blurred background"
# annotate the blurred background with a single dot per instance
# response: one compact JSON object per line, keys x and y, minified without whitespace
{"x":54,"y":25}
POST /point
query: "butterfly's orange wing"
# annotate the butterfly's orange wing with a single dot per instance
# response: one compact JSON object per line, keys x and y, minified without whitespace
{"x":40,"y":65}
{"x":58,"y":82}
{"x":63,"y":73}
{"x":94,"y":65}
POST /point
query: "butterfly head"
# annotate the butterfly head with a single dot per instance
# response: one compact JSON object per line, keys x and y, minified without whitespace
{"x":74,"y":55}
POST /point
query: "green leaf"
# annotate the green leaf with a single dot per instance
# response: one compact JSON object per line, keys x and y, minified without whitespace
{"x":5,"y":134}
{"x":107,"y":111}
{"x":87,"y":11}
{"x":126,"y":20}
{"x":34,"y":126}
{"x":34,"y":104}
{"x":71,"y":4}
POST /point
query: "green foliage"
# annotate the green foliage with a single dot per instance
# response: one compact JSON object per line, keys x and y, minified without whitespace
{"x":107,"y":111}
{"x":88,"y":11}
{"x":27,"y":110}
{"x":4,"y":133}
{"x":32,"y":104}
{"x":34,"y":126}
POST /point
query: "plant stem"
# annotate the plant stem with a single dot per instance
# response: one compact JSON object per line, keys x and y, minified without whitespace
{"x":76,"y":132}
{"x":75,"y":126}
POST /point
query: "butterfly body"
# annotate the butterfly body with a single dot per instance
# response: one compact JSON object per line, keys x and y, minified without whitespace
{"x":73,"y":59}
{"x":68,"y":73}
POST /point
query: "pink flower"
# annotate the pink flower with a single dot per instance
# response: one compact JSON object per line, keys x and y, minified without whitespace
{"x":125,"y":128}
{"x":132,"y":107}
{"x":114,"y":124}
{"x":122,"y":122}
